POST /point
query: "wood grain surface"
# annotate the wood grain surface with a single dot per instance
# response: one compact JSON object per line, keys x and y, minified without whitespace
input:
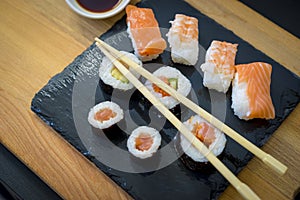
{"x":39,"y":38}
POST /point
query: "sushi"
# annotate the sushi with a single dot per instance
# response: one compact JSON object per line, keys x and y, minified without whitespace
{"x":183,"y":39}
{"x":144,"y":32}
{"x":112,"y":77}
{"x":105,"y":114}
{"x":175,"y":79}
{"x":219,"y":65}
{"x":251,"y":91}
{"x":143,"y":142}
{"x":210,"y":136}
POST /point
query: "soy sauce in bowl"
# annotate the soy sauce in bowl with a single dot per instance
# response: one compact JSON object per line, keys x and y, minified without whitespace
{"x":97,"y":9}
{"x":98,"y":5}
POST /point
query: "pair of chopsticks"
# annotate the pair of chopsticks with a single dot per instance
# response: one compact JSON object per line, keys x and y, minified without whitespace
{"x":115,"y":56}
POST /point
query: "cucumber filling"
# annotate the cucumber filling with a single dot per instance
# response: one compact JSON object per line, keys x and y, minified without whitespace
{"x":173,"y":82}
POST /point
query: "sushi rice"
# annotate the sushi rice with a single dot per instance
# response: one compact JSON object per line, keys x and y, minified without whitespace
{"x":240,"y":100}
{"x":183,"y":39}
{"x":219,"y":65}
{"x":217,"y":146}
{"x":184,"y":85}
{"x":106,"y":68}
{"x":149,"y":132}
{"x":119,"y":115}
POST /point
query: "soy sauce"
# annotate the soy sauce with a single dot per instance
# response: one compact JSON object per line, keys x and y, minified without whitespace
{"x":98,"y":5}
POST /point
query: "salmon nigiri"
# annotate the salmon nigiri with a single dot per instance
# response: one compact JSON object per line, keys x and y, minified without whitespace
{"x":183,"y":39}
{"x":251,"y":91}
{"x":219,"y":65}
{"x":144,"y":33}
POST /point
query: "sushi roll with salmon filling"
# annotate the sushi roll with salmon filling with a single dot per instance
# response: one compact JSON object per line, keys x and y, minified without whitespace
{"x":174,"y":78}
{"x":144,"y":33}
{"x":112,"y":77}
{"x":219,"y":65}
{"x":183,"y":39}
{"x":251,"y":91}
{"x":211,"y":137}
{"x":143,"y":142}
{"x":105,"y":114}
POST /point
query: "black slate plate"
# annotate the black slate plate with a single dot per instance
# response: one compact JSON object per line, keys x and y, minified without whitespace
{"x":65,"y":101}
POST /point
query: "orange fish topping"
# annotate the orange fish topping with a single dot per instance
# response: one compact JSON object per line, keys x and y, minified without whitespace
{"x":145,"y":31}
{"x":186,"y":27}
{"x":223,"y":56}
{"x":143,"y":142}
{"x":104,"y":115}
{"x":257,"y":75}
{"x":204,"y":132}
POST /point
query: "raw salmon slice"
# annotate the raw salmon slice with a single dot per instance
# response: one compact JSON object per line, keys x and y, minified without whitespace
{"x":104,"y":114}
{"x":144,"y":142}
{"x":204,"y":132}
{"x":144,"y":32}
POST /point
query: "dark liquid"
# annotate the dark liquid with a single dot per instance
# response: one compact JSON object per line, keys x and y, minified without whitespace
{"x":98,"y":5}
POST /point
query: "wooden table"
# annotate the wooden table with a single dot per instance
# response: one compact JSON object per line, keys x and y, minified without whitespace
{"x":39,"y":38}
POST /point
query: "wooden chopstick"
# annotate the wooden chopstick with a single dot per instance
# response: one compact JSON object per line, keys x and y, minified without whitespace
{"x":266,"y":158}
{"x":241,"y":187}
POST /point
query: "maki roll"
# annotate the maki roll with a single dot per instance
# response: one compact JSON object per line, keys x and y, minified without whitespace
{"x":175,"y":79}
{"x":113,"y":78}
{"x":183,"y":39}
{"x":143,"y":142}
{"x":211,"y":137}
{"x":251,"y":91}
{"x":219,"y":65}
{"x":144,"y":33}
{"x":105,"y":114}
